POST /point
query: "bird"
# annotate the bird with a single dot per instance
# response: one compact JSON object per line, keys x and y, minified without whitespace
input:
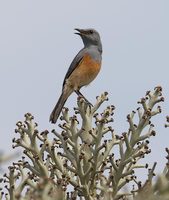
{"x":84,"y":68}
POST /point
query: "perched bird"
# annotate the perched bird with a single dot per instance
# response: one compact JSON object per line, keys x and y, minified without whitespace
{"x":83,"y":69}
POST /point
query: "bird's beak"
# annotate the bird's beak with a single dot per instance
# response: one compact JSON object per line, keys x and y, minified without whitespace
{"x":80,"y":31}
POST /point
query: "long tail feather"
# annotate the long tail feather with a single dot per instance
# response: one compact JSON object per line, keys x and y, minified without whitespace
{"x":58,"y":108}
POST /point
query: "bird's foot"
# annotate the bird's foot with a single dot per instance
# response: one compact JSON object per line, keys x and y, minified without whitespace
{"x":81,"y":96}
{"x":88,"y":102}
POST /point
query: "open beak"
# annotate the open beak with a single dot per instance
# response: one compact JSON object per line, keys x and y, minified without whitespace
{"x":80,"y":31}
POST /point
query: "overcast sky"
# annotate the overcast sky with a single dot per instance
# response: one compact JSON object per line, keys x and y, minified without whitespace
{"x":37,"y":45}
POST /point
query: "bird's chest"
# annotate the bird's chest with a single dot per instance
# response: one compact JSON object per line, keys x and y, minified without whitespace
{"x":86,"y":71}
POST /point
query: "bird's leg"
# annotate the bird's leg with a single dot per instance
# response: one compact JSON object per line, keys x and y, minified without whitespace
{"x":81,"y":95}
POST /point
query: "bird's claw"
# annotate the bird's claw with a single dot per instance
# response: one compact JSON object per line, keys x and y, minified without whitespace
{"x":88,"y":102}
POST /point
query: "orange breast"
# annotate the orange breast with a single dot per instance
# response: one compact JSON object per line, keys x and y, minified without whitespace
{"x":85,"y":72}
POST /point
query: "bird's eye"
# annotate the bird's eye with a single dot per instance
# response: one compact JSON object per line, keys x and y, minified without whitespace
{"x":91,"y":31}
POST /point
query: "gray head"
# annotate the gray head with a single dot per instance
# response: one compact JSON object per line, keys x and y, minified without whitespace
{"x":90,"y":37}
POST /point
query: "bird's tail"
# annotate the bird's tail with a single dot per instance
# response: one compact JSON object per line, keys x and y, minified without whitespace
{"x":58,"y":107}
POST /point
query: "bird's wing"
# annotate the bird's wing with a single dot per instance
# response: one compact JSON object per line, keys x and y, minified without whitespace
{"x":78,"y":58}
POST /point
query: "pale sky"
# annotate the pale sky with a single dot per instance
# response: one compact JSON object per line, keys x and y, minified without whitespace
{"x":37,"y":45}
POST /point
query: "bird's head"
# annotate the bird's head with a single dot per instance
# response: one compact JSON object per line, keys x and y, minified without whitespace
{"x":89,"y":37}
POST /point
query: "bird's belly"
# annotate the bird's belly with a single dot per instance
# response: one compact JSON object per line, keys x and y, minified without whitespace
{"x":85,"y":73}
